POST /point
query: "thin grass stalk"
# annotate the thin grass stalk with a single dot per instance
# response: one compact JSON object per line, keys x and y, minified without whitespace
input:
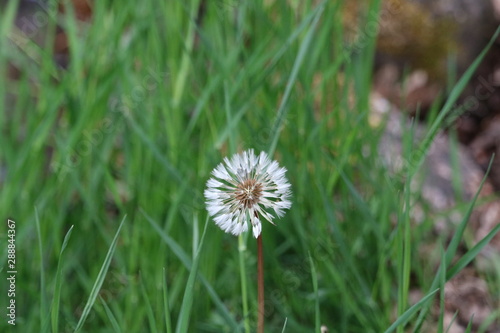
{"x":241,"y":250}
{"x":260,"y":286}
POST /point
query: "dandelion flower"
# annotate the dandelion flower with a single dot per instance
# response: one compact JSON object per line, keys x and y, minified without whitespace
{"x":245,"y":188}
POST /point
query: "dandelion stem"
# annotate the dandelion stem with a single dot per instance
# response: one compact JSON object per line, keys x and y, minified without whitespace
{"x":241,"y":250}
{"x":260,"y":283}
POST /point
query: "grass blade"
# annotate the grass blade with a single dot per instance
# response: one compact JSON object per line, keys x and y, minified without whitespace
{"x":100,"y":279}
{"x":293,"y":77}
{"x":452,"y":98}
{"x":457,"y":237}
{"x":187,"y":301}
{"x":442,"y":281}
{"x":111,"y":317}
{"x":314,"y":276}
{"x":405,"y":317}
{"x":452,"y":321}
{"x":168,"y":321}
{"x":149,"y":308}
{"x":284,"y":326}
{"x":43,"y":294}
{"x":243,"y":277}
{"x":57,"y":289}
{"x":8,"y":17}
{"x":469,"y":326}
{"x":452,"y":248}
{"x":185,"y":61}
{"x":472,"y":253}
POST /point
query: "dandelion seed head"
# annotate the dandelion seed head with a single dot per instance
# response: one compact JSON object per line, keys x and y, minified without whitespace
{"x":245,"y":188}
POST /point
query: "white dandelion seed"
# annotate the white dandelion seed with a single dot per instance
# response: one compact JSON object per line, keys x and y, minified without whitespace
{"x":245,"y":188}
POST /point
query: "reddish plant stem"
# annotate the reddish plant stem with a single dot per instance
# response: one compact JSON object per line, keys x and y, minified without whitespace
{"x":260,"y":286}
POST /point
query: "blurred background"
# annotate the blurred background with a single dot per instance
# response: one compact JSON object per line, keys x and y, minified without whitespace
{"x":114,"y":114}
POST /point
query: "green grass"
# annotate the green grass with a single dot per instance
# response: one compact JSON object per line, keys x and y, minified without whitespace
{"x":148,"y":106}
